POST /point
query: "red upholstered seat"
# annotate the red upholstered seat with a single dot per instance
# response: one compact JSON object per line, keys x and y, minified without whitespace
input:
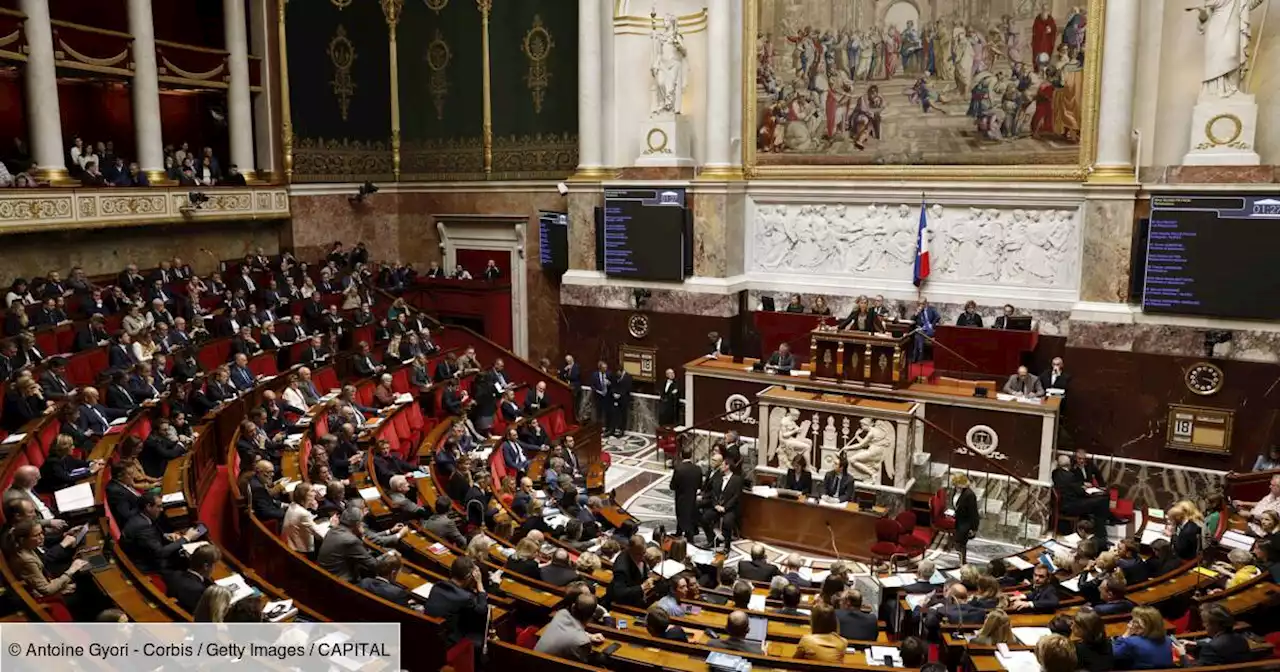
{"x":462,"y":657}
{"x":158,"y":582}
{"x":400,"y":380}
{"x":57,"y":608}
{"x":364,"y":394}
{"x":47,"y":341}
{"x":888,"y":531}
{"x":527,"y":637}
{"x":1120,"y":508}
{"x":35,"y":454}
{"x":322,"y":425}
{"x":910,"y":541}
{"x":497,"y":466}
{"x":938,"y":512}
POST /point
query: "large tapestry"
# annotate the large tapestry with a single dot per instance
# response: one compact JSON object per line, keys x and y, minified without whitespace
{"x":338,"y":83}
{"x":977,"y":88}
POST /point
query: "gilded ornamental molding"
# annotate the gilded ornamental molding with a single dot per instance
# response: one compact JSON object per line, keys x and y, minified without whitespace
{"x":29,"y":210}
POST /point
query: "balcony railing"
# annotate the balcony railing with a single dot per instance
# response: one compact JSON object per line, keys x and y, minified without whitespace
{"x":54,"y":209}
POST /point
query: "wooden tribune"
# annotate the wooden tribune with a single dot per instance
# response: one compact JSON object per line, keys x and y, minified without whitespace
{"x":809,"y":527}
{"x":860,"y":357}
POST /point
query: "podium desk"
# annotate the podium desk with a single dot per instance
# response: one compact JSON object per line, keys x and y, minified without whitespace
{"x":992,"y":351}
{"x":860,"y":358}
{"x":808,"y":527}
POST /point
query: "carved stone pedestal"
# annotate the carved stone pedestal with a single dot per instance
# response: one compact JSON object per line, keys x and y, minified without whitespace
{"x":666,"y":142}
{"x":1222,"y":132}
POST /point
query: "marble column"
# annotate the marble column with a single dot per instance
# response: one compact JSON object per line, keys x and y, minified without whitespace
{"x":590,"y":91}
{"x":1119,"y":72}
{"x":718,"y":163}
{"x":1107,"y":243}
{"x":239,"y":106}
{"x":265,"y":114}
{"x":146,"y":92}
{"x":42,"y":94}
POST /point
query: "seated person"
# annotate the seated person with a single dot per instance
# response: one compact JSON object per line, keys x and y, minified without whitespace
{"x":798,"y":478}
{"x":61,"y":469}
{"x":796,"y":305}
{"x":1270,"y":461}
{"x":442,"y":525}
{"x":855,"y":623}
{"x":386,"y":465}
{"x":25,"y":556}
{"x":144,"y":541}
{"x":758,"y":567}
{"x":188,"y":586}
{"x":383,"y":582}
{"x":1023,"y":384}
{"x":680,"y":591}
{"x":461,"y":602}
{"x":657,"y":623}
{"x":1111,"y":594}
{"x":1003,"y":321}
{"x":566,"y":635}
{"x":525,"y":560}
{"x":790,"y":598}
{"x":824,"y":642}
{"x":1223,"y":646}
{"x":1130,"y":562}
{"x":1242,"y":562}
{"x":838,"y":483}
{"x":781,"y":361}
{"x":735,"y":632}
{"x":560,"y":572}
{"x":343,"y":552}
{"x":1043,"y":596}
{"x":1144,"y":645}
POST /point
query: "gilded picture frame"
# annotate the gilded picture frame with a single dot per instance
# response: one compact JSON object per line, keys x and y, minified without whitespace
{"x":1079,"y":170}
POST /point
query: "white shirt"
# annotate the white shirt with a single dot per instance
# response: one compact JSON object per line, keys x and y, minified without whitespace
{"x":41,"y":510}
{"x":294,"y":398}
{"x":299,"y":528}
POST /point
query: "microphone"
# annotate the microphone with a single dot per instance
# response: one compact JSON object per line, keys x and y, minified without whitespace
{"x":833,"y":540}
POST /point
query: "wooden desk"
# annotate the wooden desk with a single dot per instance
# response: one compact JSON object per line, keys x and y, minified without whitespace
{"x":808,"y":527}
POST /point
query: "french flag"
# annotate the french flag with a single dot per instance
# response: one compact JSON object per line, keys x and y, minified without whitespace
{"x":922,"y":247}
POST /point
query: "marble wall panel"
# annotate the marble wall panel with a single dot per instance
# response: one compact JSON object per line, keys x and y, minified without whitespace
{"x":1179,"y":341}
{"x":710,"y":234}
{"x":103,"y":251}
{"x":319,"y":220}
{"x":583,"y":200}
{"x":1107,"y":246}
{"x":616,"y":297}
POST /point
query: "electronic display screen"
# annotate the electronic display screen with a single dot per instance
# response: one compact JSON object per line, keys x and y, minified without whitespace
{"x":553,"y":241}
{"x":1213,"y":256}
{"x":644,"y":233}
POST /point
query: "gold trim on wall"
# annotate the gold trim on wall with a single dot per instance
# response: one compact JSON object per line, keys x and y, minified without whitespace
{"x":537,"y":46}
{"x":1078,"y":171}
{"x":193,"y":75}
{"x":342,"y":54}
{"x":10,"y":38}
{"x":391,"y":11}
{"x":438,"y":58}
{"x":486,"y":81}
{"x":109,"y":62}
{"x":341,"y":160}
{"x":286,"y":108}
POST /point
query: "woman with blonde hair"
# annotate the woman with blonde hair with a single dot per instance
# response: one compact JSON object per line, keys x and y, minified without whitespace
{"x":964,"y":504}
{"x":1145,"y":644}
{"x":996,"y":629}
{"x":61,"y":469}
{"x":823,"y":643}
{"x":1056,"y":654}
{"x":588,"y":563}
{"x":1183,"y":528}
{"x":988,"y":594}
{"x":213,"y":605}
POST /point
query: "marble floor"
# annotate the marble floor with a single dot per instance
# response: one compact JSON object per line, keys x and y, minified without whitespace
{"x":640,"y":478}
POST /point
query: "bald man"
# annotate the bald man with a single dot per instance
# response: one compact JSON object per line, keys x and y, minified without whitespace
{"x":24,"y":483}
{"x":560,"y":572}
{"x":1023,"y":384}
{"x":735,"y":635}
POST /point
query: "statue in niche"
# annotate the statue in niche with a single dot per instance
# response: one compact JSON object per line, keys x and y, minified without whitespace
{"x":1225,"y":26}
{"x":872,"y":446}
{"x":829,"y":433}
{"x":791,"y":436}
{"x":667,"y":65}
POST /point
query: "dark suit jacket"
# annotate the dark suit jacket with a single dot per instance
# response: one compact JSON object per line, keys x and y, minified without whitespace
{"x":781,"y":363}
{"x":1225,"y":649}
{"x":838,"y":484}
{"x":1044,"y":599}
{"x":559,"y":576}
{"x":464,"y":612}
{"x":1113,"y":608}
{"x":156,"y":453}
{"x":571,"y":375}
{"x":143,"y":541}
{"x":386,"y":590}
{"x":757,"y":570}
{"x":119,"y":357}
{"x":967,"y":515}
{"x":857,"y":624}
{"x":532,"y":404}
{"x":969,"y":320}
{"x":264,"y":505}
{"x":186,"y":587}
{"x":735,"y":644}
{"x":444,"y":370}
{"x":1186,"y":543}
{"x":625,"y":588}
{"x":802,"y":482}
{"x":1064,"y":380}
{"x":344,"y":555}
{"x":685,"y":480}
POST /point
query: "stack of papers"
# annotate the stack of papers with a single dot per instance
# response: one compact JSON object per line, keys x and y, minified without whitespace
{"x":764,"y":491}
{"x":404,"y":398}
{"x":1153,"y":533}
{"x":916,"y":600}
{"x":75,"y":498}
{"x":1019,"y":661}
{"x":173,"y":498}
{"x":13,"y":438}
{"x":240,"y":589}
{"x":423,"y":591}
{"x":697,"y":555}
{"x":369,"y":493}
{"x":1232,"y":539}
{"x":756,"y":603}
{"x":293,"y":439}
{"x":723,"y":662}
{"x":119,"y":421}
{"x":1072,"y":540}
{"x":557,"y":520}
{"x":1018,"y":563}
{"x":1029,"y":635}
{"x":437,"y":548}
{"x":833,"y":503}
{"x":876,"y":655}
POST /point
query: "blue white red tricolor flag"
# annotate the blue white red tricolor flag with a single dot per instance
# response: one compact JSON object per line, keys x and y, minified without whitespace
{"x":922,"y":247}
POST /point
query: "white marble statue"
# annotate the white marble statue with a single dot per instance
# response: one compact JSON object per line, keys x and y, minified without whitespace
{"x":871,"y":446}
{"x":667,"y":65}
{"x":1026,"y":247}
{"x":1225,"y":26}
{"x":791,"y":438}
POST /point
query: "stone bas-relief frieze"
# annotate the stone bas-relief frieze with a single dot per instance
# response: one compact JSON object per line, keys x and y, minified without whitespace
{"x":1024,"y":246}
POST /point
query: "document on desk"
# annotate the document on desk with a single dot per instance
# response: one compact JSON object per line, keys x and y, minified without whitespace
{"x":894,"y":581}
{"x":1018,"y":563}
{"x":697,"y":555}
{"x":1034,"y":401}
{"x":1001,"y":396}
{"x":173,"y":498}
{"x":240,"y":588}
{"x":877,"y":654}
{"x":670,"y":568}
{"x":191,"y":548}
{"x":1071,"y":540}
{"x":764,"y":491}
{"x":423,"y":591}
{"x":75,"y":498}
{"x":1019,"y":661}
{"x":1093,"y":490}
{"x":369,"y":493}
{"x":834,"y":503}
{"x":1232,"y":539}
{"x":1030,"y":635}
{"x":13,"y":438}
{"x":1150,"y":535}
{"x":756,"y":603}
{"x":1072,"y":584}
{"x":915,"y":601}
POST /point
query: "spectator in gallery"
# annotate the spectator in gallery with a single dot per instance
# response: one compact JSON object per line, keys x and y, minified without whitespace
{"x":172,"y":170}
{"x":491,"y":270}
{"x":460,"y":273}
{"x":234,"y":177}
{"x":1269,"y":461}
{"x":204,"y":173}
{"x":76,"y":155}
{"x":92,"y":177}
{"x":6,"y":179}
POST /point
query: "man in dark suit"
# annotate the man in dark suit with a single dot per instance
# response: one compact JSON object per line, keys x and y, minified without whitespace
{"x":118,"y":395}
{"x":723,"y":512}
{"x":241,"y":376}
{"x":315,"y":355}
{"x":620,"y":395}
{"x":657,"y":623}
{"x":669,"y":401}
{"x":685,"y":480}
{"x":363,"y":362}
{"x":159,"y":449}
{"x":1074,"y":501}
{"x":1056,"y":377}
{"x":343,"y":552}
{"x":925,"y":321}
{"x":120,"y":355}
{"x":716,"y":345}
{"x":92,"y":334}
{"x":966,"y":514}
{"x":461,"y":602}
{"x":442,"y":525}
{"x":838,"y":482}
{"x":54,"y":382}
{"x":736,"y":628}
{"x":95,"y":418}
{"x":600,"y":382}
{"x":149,"y":547}
{"x":188,"y":586}
{"x":559,"y":572}
{"x":383,"y":582}
{"x":244,"y":343}
{"x":570,"y":372}
{"x":1023,"y":384}
{"x":1223,"y":646}
{"x":1043,"y":596}
{"x":781,"y":361}
{"x":631,"y":582}
{"x":1002,"y":322}
{"x":1111,"y":594}
{"x":122,"y":498}
{"x":536,"y":399}
{"x":262,"y":492}
{"x":855,"y":623}
{"x":758,"y":568}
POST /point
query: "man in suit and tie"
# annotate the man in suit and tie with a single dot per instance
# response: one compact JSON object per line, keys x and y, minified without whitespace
{"x":92,"y":335}
{"x":631,"y":580}
{"x":308,"y":387}
{"x":1056,"y":377}
{"x":315,"y":355}
{"x":188,"y":586}
{"x":1074,"y":500}
{"x":120,"y":355}
{"x":1002,"y":322}
{"x":149,"y":547}
{"x":600,"y":383}
{"x":241,"y":376}
{"x":925,"y":322}
{"x":781,"y":361}
{"x":758,"y":567}
{"x":363,"y":362}
{"x":1023,"y":384}
{"x":54,"y":382}
{"x":838,"y":483}
{"x":686,"y":478}
{"x":570,"y":372}
{"x":1087,"y":470}
{"x":669,"y":400}
{"x":343,"y":552}
{"x":95,"y":419}
{"x":513,"y":453}
{"x":263,"y":492}
{"x":383,"y":582}
{"x":723,"y":509}
{"x":447,"y":368}
{"x":716,"y":345}
{"x":244,"y":344}
{"x":118,"y":395}
{"x":620,"y":396}
{"x":294,"y":331}
{"x":179,"y":337}
{"x":536,"y":399}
